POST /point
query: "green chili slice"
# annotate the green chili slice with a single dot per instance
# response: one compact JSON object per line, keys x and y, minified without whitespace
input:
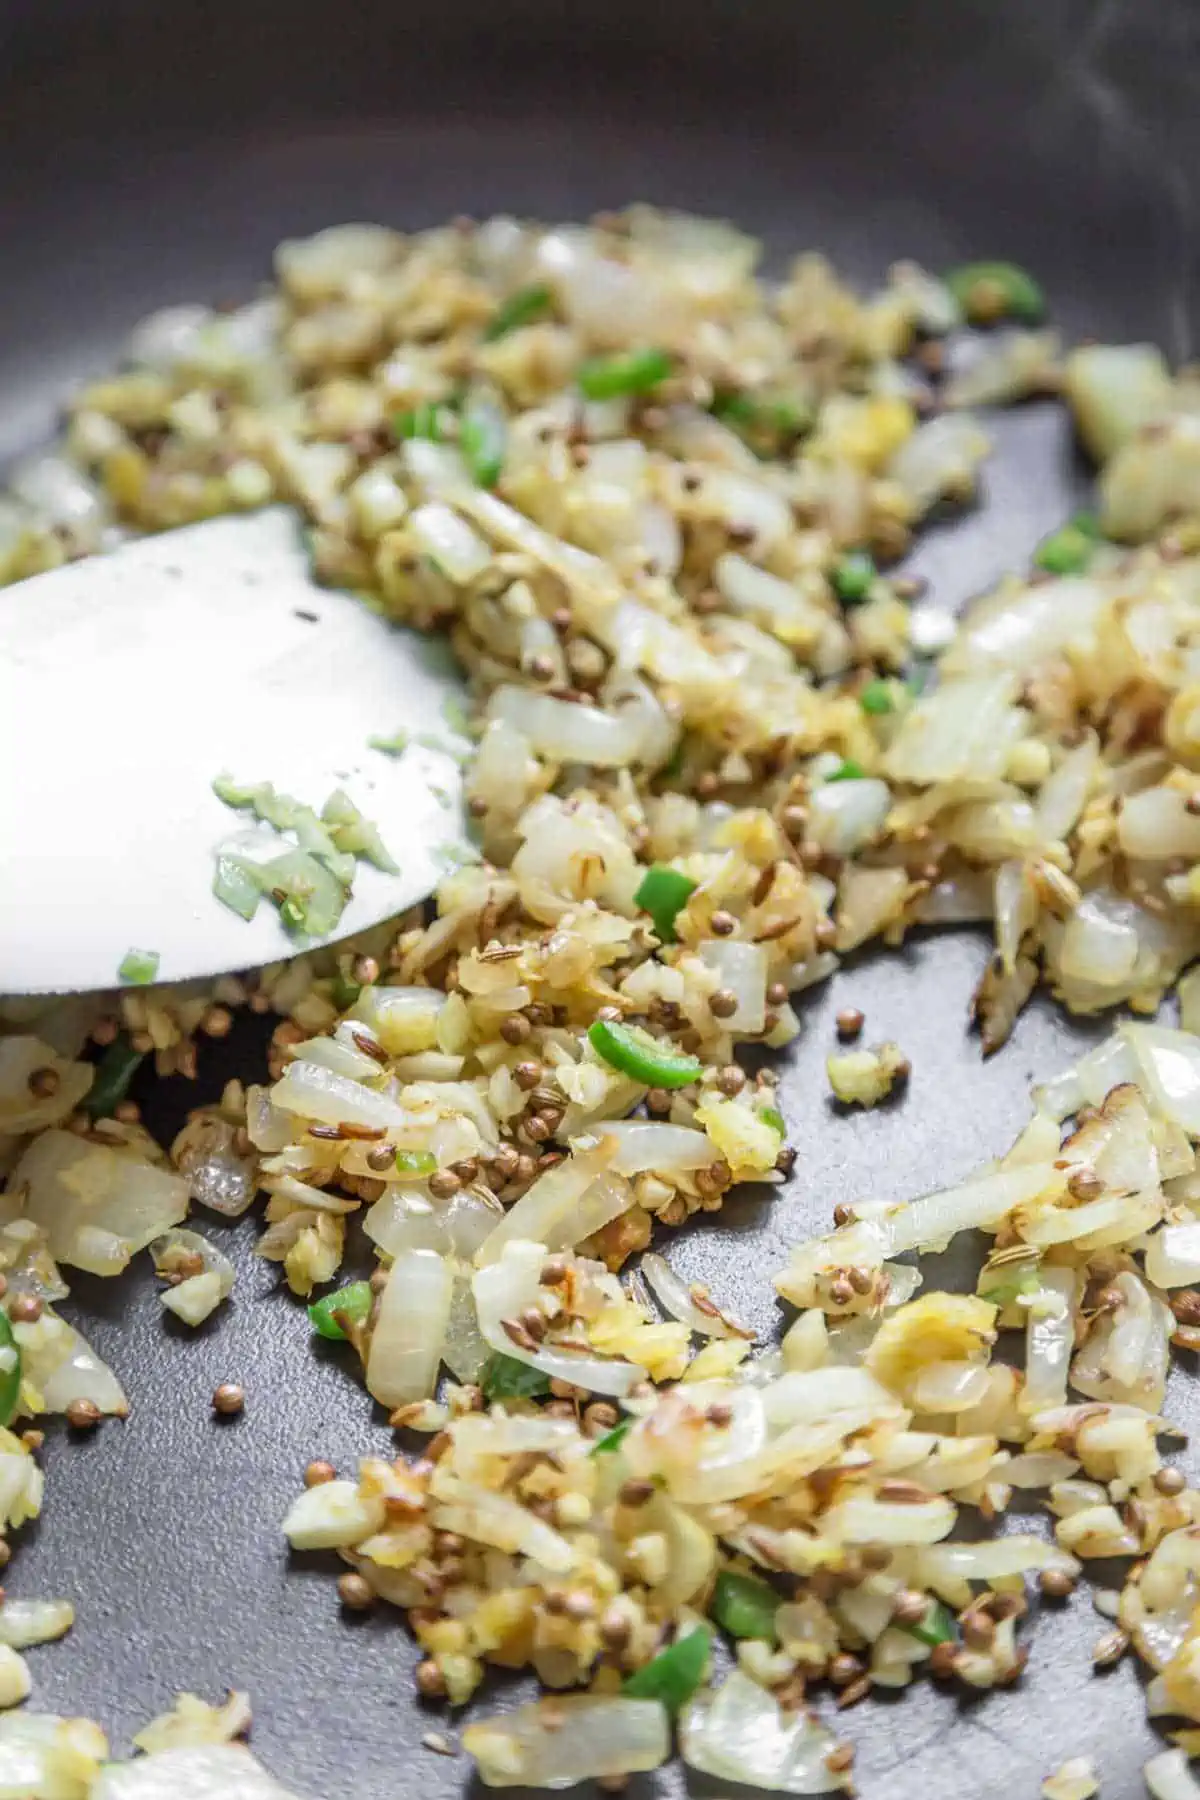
{"x":10,"y":1371}
{"x":613,"y":377}
{"x":416,"y":1162}
{"x":138,"y":968}
{"x":663,"y":892}
{"x":876,"y":699}
{"x":1070,"y":549}
{"x":771,"y":1115}
{"x":352,"y":1303}
{"x":852,"y":577}
{"x":988,"y":291}
{"x":504,"y":1378}
{"x":525,"y":307}
{"x":848,"y":770}
{"x":674,"y":1674}
{"x":643,"y":1058}
{"x":483,"y":436}
{"x":423,"y":421}
{"x":743,"y":1606}
{"x":114,"y":1072}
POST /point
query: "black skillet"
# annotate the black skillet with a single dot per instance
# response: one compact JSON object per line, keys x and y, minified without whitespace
{"x":153,"y":152}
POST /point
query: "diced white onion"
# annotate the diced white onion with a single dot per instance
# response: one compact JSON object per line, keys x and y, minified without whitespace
{"x":410,"y":1329}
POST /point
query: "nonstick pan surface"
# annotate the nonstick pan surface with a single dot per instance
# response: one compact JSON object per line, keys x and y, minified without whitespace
{"x":153,"y":153}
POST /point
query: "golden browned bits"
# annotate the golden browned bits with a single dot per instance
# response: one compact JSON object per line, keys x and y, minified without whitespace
{"x":840,"y":1291}
{"x":978,"y":1631}
{"x":555,"y":1270}
{"x":229,"y":1398}
{"x":83,"y":1415}
{"x":849,"y":1022}
{"x":355,"y":1591}
{"x":1056,"y":1584}
{"x":825,"y":935}
{"x":26,"y":1309}
{"x":527,"y":1074}
{"x":722,"y":923}
{"x":794,"y":820}
{"x":431,"y":1683}
{"x":840,"y":1758}
{"x":319,"y":1472}
{"x":777,"y":994}
{"x":615,"y":1629}
{"x":444,"y":1184}
{"x":515,"y":1028}
{"x":580,"y":1605}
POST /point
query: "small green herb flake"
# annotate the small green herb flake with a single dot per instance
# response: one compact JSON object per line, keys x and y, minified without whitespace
{"x":990,"y":291}
{"x":771,"y":1115}
{"x":138,"y":968}
{"x":525,"y":307}
{"x":767,"y":423}
{"x":614,"y":377}
{"x":674,"y":1674}
{"x":10,"y":1371}
{"x":505,"y":1378}
{"x":876,"y":699}
{"x":612,"y":1440}
{"x":852,"y":577}
{"x":848,"y":770}
{"x":663,"y":892}
{"x":415,"y":1162}
{"x":744,"y":1606}
{"x":483,"y":439}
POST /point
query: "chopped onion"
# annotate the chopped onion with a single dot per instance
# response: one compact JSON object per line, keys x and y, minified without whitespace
{"x":1168,"y":1777}
{"x":331,"y":1099}
{"x":498,"y":1519}
{"x":62,"y":1365}
{"x":556,"y":1742}
{"x":504,"y":1288}
{"x":22,"y":1110}
{"x":676,"y":1298}
{"x":741,"y":968}
{"x":96,"y":1206}
{"x":26,"y":1622}
{"x":198,"y":1295}
{"x":449,"y":542}
{"x":566,"y":732}
{"x":1173,"y":1256}
{"x":739,"y":1732}
{"x":1169,"y":1065}
{"x":545,"y":1208}
{"x":645,"y":1144}
{"x":189,"y":1772}
{"x":410,"y":1329}
{"x":843,"y":816}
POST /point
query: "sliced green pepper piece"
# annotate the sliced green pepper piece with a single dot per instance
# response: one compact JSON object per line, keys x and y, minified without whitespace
{"x":345,"y":991}
{"x":743,"y":1606}
{"x":504,"y":1378}
{"x":10,"y":1371}
{"x":416,"y":1162}
{"x":612,"y":377}
{"x":483,"y":436}
{"x":352,"y":1303}
{"x":612,"y":1440}
{"x":848,"y":770}
{"x":1067,"y":551}
{"x":988,"y":291}
{"x":674,"y":1674}
{"x":937,"y":1627}
{"x":138,"y":968}
{"x":763,"y":422}
{"x":771,"y":1115}
{"x":852,"y":577}
{"x":423,"y":421}
{"x":642,"y":1057}
{"x":876,"y":699}
{"x":524,"y":307}
{"x":663,"y":892}
{"x":114,"y":1072}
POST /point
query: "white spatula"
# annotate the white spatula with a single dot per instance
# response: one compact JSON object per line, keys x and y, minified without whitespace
{"x":129,"y":681}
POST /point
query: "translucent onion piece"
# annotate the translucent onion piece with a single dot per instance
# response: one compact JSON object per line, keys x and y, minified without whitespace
{"x":26,"y":1622}
{"x":410,"y":1329}
{"x":1173,"y":1256}
{"x":503,"y":1289}
{"x":544,"y":1208}
{"x":741,"y":968}
{"x":63,"y":1367}
{"x":843,"y":816}
{"x":331,"y":1099}
{"x":402,"y":1019}
{"x":1169,"y":1777}
{"x":644,"y":1144}
{"x":43,"y":1757}
{"x":676,"y":1298}
{"x":96,"y":1206}
{"x":20,"y":1109}
{"x":1169,"y":1065}
{"x":190,"y":1772}
{"x":739,"y":1732}
{"x":198,"y":1295}
{"x":498,"y":1519}
{"x":1049,"y":1340}
{"x":569,"y":733}
{"x":578,"y":1737}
